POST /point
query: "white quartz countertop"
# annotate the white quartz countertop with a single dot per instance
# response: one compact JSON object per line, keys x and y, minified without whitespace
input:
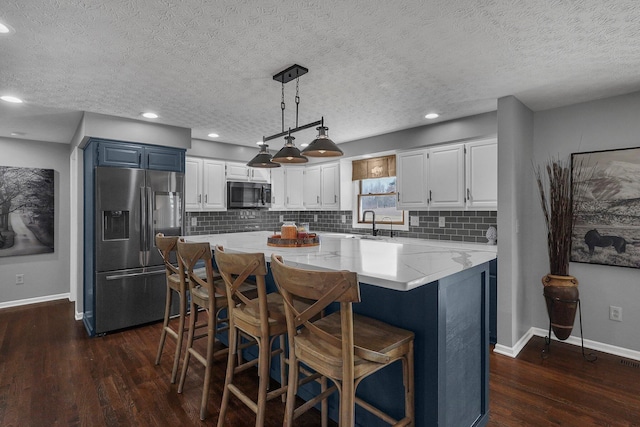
{"x":399,"y":263}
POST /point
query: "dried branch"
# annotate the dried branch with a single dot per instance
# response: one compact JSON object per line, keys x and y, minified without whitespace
{"x":556,"y":198}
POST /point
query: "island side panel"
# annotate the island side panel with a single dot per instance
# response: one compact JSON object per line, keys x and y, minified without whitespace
{"x":463,"y":348}
{"x":417,"y":311}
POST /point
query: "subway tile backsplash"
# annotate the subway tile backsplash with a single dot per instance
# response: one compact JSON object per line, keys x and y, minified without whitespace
{"x":461,"y":226}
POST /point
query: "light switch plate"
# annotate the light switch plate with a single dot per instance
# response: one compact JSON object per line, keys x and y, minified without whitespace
{"x":343,"y":218}
{"x":414,"y":221}
{"x":315,"y":218}
{"x":441,"y":222}
{"x":194,"y":221}
{"x":281,"y":218}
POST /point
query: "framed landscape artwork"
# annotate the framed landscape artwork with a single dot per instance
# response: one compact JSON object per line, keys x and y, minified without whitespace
{"x":606,"y":229}
{"x":26,"y":211}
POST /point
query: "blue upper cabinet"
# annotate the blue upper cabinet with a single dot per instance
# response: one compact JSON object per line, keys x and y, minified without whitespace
{"x":141,"y":156}
{"x":166,"y":159}
{"x":120,"y":154}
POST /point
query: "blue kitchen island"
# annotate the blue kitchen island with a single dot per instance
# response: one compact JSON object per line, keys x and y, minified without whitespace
{"x":438,"y":290}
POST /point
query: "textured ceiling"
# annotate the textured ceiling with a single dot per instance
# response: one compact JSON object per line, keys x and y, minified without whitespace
{"x":374,"y":66}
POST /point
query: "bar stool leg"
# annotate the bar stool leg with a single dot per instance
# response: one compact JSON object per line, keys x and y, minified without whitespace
{"x":181,"y":321}
{"x":231,"y":360}
{"x":193,"y":317}
{"x":165,"y":324}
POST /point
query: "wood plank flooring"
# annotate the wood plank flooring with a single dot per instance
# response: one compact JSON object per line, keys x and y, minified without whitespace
{"x":52,"y":374}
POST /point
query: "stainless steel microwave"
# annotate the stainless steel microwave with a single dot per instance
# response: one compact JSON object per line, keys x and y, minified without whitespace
{"x":248,"y":195}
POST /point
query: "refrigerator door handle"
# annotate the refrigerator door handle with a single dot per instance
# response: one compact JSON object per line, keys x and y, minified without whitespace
{"x":143,"y":227}
{"x":150,"y":221}
{"x":125,"y":276}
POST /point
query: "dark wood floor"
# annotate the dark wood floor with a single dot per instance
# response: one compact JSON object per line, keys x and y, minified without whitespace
{"x":51,"y":374}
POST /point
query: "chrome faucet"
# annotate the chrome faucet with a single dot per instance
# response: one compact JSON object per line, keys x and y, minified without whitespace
{"x":374,"y":232}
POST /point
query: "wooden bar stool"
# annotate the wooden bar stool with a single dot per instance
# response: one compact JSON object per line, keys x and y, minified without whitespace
{"x":260,"y":318}
{"x":167,"y":247}
{"x":342,"y":346}
{"x":206,"y":295}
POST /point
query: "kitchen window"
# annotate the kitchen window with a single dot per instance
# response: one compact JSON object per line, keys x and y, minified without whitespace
{"x":380,"y":196}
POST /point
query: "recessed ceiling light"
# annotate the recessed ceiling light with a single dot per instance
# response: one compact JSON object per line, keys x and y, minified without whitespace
{"x":260,"y":142}
{"x":213,"y":135}
{"x":13,"y":99}
{"x":304,"y":145}
{"x":18,"y":134}
{"x":5,"y":29}
{"x":150,"y":115}
{"x":366,"y":156}
{"x":432,"y":116}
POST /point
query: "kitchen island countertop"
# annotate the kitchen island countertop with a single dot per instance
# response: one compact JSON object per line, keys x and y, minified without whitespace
{"x":395,"y":263}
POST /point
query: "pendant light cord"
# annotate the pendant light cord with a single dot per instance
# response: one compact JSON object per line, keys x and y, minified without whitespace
{"x":282,"y":106}
{"x":297,"y":98}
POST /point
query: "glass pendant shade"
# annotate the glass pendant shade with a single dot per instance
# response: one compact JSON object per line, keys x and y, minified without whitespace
{"x":289,"y":153}
{"x":322,"y":146}
{"x":263,"y":159}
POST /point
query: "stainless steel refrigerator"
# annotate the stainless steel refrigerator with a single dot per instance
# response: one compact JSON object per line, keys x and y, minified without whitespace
{"x":131,"y":206}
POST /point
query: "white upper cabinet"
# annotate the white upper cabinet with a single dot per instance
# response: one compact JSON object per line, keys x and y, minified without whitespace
{"x":322,"y":186}
{"x":412,"y":180}
{"x":287,"y":188}
{"x":482,"y":174}
{"x":204,"y":185}
{"x":214,"y":185}
{"x":312,"y":187}
{"x":192,"y":184}
{"x":294,"y":187}
{"x":260,"y":174}
{"x":445,"y":171}
{"x":451,"y":176}
{"x":241,"y":172}
{"x":278,"y":197}
{"x":330,"y":188}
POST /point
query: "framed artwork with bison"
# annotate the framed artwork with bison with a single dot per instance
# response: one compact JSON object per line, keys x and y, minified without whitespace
{"x":606,"y":227}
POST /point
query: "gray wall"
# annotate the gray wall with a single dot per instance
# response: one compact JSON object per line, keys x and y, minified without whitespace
{"x":45,"y":274}
{"x":609,"y":123}
{"x":515,"y":132}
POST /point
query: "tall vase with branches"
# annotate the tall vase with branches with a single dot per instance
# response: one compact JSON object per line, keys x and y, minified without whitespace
{"x":557,"y":188}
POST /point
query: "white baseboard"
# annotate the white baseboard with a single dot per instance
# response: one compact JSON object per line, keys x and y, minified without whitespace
{"x":593,"y":345}
{"x":516,"y":349}
{"x":35,"y":300}
{"x":79,"y":316}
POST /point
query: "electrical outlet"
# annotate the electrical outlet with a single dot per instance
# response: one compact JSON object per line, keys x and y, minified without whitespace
{"x":615,"y":313}
{"x":281,"y":218}
{"x":343,"y":218}
{"x":315,"y":218}
{"x":194,"y":221}
{"x":414,"y":221}
{"x":19,"y":279}
{"x":441,"y":222}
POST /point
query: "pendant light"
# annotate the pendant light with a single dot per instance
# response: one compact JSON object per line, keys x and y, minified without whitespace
{"x":289,"y":153}
{"x":322,"y":146}
{"x":263,"y":159}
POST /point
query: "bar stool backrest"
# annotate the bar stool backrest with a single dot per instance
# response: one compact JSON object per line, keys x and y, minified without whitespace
{"x":167,"y":246}
{"x":189,"y":254}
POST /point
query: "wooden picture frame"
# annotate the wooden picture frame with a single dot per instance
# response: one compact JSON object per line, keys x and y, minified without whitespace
{"x":27,"y":210}
{"x":606,"y":226}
